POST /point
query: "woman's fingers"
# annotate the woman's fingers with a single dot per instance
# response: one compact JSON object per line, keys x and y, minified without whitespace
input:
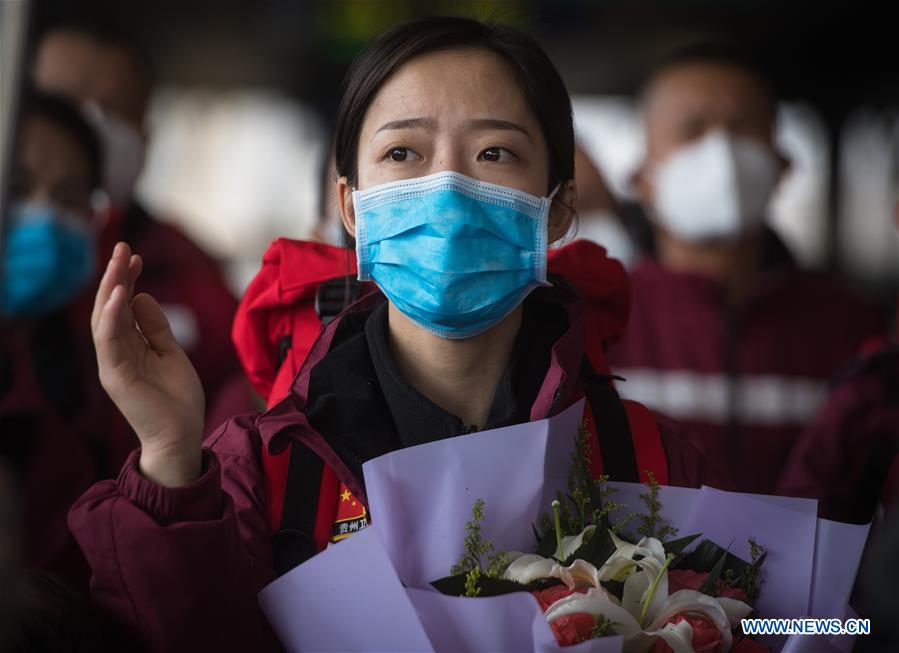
{"x":111,"y":331}
{"x":153,"y":324}
{"x":116,"y":273}
{"x":135,"y":265}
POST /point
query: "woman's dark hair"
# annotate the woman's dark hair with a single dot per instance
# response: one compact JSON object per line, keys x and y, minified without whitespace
{"x":62,"y":113}
{"x":538,"y":79}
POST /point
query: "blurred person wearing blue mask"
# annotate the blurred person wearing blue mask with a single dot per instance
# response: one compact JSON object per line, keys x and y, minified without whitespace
{"x":110,"y":77}
{"x":50,"y":399}
{"x":50,"y":242}
{"x":727,"y":335}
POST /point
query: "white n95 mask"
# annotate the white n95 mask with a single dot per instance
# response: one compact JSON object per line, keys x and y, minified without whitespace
{"x":715,"y":188}
{"x":123,"y":153}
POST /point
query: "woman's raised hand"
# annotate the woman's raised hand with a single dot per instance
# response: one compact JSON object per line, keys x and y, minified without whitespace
{"x":147,"y":375}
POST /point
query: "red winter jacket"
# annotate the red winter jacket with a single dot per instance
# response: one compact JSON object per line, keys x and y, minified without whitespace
{"x":847,"y":457}
{"x":183,"y":566}
{"x":277,"y":321}
{"x":48,"y":449}
{"x":741,"y":382}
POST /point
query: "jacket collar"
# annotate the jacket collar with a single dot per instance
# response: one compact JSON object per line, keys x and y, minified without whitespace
{"x":287,"y":421}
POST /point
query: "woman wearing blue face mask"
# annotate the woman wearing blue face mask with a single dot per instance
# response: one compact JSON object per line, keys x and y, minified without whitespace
{"x":50,"y":241}
{"x":56,"y":423}
{"x":455,"y":154}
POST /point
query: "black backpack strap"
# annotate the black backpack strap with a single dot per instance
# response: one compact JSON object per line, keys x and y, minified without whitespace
{"x":613,"y":430}
{"x":294,"y":542}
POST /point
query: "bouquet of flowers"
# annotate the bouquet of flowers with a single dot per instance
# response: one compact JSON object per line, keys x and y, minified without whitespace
{"x":608,"y":570}
{"x":592,"y":580}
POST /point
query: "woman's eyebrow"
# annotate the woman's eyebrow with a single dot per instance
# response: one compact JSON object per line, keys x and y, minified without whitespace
{"x":496,"y":123}
{"x":474,"y":123}
{"x":408,"y":123}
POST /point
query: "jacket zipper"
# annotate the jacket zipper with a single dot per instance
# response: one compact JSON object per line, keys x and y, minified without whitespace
{"x":555,"y":400}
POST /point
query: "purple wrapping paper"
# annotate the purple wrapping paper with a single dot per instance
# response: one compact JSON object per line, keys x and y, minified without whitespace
{"x":833,"y":579}
{"x":421,"y":497}
{"x":346,"y":599}
{"x":352,"y":597}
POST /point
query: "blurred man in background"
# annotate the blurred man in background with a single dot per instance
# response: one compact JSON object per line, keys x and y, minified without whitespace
{"x":110,"y":78}
{"x":727,"y":336}
{"x":848,"y":457}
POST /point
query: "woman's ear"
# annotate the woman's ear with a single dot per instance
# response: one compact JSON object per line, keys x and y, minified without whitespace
{"x":345,"y":205}
{"x":562,"y":210}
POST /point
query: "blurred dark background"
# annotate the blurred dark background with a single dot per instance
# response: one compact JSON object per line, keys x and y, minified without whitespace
{"x":837,"y":61}
{"x":835,"y":55}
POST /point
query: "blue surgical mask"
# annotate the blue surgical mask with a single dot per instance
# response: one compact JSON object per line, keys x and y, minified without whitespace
{"x":48,"y":257}
{"x":454,"y":254}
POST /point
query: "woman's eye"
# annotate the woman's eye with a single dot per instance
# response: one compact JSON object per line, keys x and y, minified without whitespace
{"x":496,"y":155}
{"x":400,"y":154}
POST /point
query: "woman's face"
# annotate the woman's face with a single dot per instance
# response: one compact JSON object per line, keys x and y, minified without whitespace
{"x":458,"y":110}
{"x":52,"y":168}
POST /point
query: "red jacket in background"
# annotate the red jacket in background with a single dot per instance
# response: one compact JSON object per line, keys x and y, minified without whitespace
{"x":51,"y":457}
{"x":742,"y":382}
{"x":847,"y":457}
{"x":183,"y":565}
{"x":189,"y":287}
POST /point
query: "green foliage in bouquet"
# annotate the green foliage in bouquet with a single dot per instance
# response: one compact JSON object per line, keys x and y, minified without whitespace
{"x":477,"y":547}
{"x":750,"y":581}
{"x":470,"y":577}
{"x":587,"y":503}
{"x":478,"y":583}
{"x":722,"y":565}
{"x":601,"y":627}
{"x":478,"y":580}
{"x":652,"y":523}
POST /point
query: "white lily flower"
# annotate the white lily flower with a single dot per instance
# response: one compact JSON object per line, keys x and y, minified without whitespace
{"x":734,"y":609}
{"x":645,"y":600}
{"x":678,"y":636}
{"x":696,"y":603}
{"x":526,"y":568}
{"x":571,"y":543}
{"x":638,"y":584}
{"x":624,"y":617}
{"x":621,"y":563}
{"x":621,"y":622}
{"x":596,"y":602}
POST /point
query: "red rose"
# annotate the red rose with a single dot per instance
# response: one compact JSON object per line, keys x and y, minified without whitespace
{"x":728,"y":592}
{"x":552,"y":594}
{"x":706,"y":636}
{"x":687,"y":579}
{"x":573,"y":628}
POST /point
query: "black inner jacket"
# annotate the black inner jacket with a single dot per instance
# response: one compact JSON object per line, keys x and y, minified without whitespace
{"x":360,"y":403}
